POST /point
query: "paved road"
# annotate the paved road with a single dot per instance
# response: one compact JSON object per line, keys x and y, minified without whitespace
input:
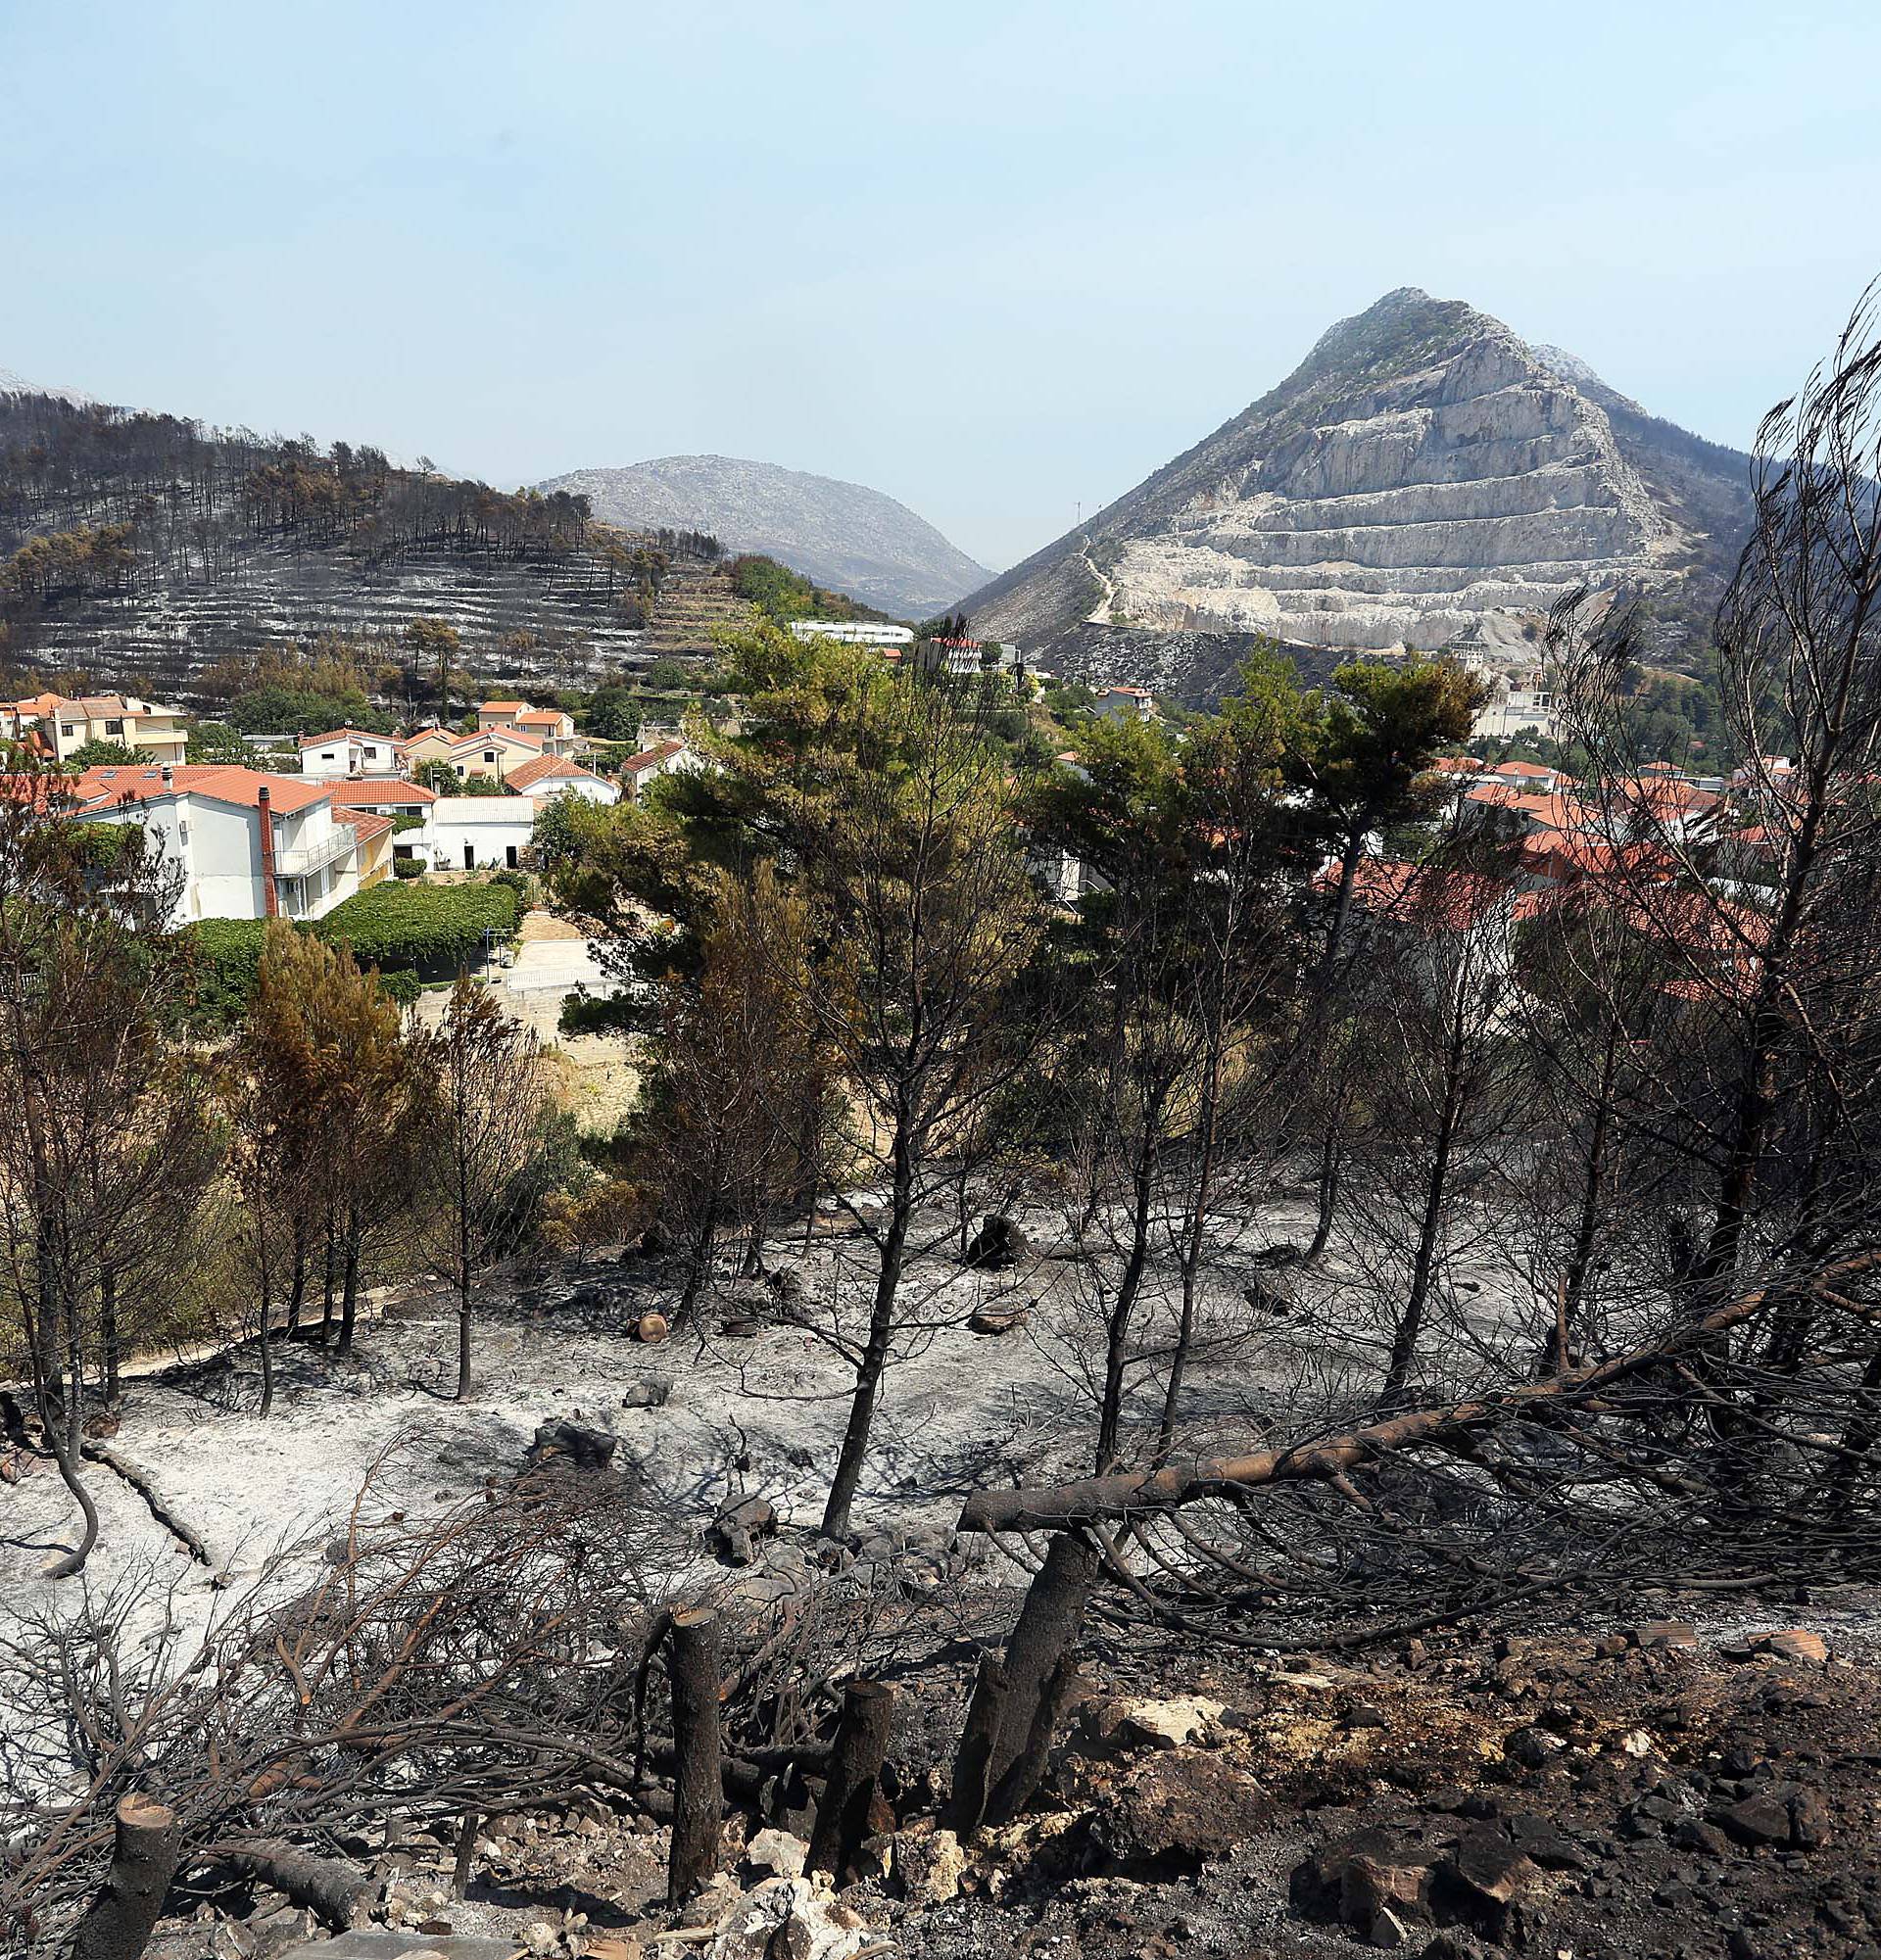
{"x":545,"y":974}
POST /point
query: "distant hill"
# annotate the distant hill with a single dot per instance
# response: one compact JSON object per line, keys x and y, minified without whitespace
{"x":841,"y":535}
{"x":141,"y":548}
{"x":1424,"y":476}
{"x":17,"y":384}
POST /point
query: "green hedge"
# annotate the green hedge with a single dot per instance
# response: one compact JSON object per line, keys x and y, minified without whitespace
{"x":410,"y":932}
{"x":227,"y":965}
{"x":435,"y":930}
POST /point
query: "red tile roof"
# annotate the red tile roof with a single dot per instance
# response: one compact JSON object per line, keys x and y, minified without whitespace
{"x":364,"y":822}
{"x":660,"y":752}
{"x":221,"y":783}
{"x":362,"y":790}
{"x":547,"y":767}
{"x":1422,"y":894}
{"x":346,"y":735}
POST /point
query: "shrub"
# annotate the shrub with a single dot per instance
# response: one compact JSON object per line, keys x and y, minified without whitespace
{"x":101,"y":754}
{"x":407,"y":867}
{"x":436,"y":929}
{"x":225,"y":962}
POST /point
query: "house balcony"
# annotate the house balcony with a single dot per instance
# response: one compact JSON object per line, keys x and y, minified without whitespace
{"x":307,"y":859}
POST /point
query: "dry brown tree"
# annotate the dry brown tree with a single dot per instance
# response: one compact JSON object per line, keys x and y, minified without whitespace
{"x":481,"y":1127}
{"x":100,"y":1130}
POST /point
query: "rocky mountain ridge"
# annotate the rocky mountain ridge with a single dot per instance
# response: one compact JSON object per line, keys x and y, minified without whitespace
{"x":1424,"y":473}
{"x":843,"y":535}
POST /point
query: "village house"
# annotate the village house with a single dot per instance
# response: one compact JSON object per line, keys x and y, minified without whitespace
{"x":383,"y":796}
{"x":641,"y":771}
{"x":853,"y":632}
{"x":491,"y":751}
{"x":1122,"y":703}
{"x":1456,"y":922}
{"x":351,"y":751}
{"x":477,"y":833}
{"x":58,"y":726}
{"x":374,"y":834}
{"x":550,"y":775}
{"x":245,"y":846}
{"x":553,"y":730}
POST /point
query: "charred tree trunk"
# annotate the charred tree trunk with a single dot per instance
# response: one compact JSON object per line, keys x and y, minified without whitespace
{"x":1020,"y":1781}
{"x":972,"y":1761}
{"x":336,"y":1894}
{"x":853,"y":1779}
{"x":1048,"y":1623}
{"x":875,"y":1352}
{"x":1331,"y":1170}
{"x":143,"y":1860}
{"x":349,"y":1287}
{"x":699,"y":1783}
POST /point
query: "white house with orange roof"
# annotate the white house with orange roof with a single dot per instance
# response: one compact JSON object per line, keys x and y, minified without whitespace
{"x":488,"y":751}
{"x":351,"y":751}
{"x":1124,"y":704}
{"x":550,"y":775}
{"x":246,"y":845}
{"x":60,"y":725}
{"x":639,"y":772}
{"x":552,"y":727}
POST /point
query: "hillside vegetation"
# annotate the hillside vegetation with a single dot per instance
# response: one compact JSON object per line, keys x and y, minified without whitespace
{"x":145,"y":548}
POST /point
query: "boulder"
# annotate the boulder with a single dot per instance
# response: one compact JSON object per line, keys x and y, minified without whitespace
{"x":1272,"y":1293}
{"x":649,"y":1393}
{"x":787,"y":1919}
{"x":1273,"y":1257}
{"x":1001,"y":1319}
{"x":1762,"y":1819}
{"x":1492,"y":1868}
{"x":738,"y":1525}
{"x":573,"y":1444}
{"x":999,"y":1243}
{"x":1372,"y":1882}
{"x":1168,"y":1725}
{"x":1180,"y":1808}
{"x":1795,"y":1644}
{"x":930,"y":1864}
{"x":782,"y":1853}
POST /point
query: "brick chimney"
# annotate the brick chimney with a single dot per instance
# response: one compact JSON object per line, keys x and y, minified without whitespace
{"x":270,"y":898}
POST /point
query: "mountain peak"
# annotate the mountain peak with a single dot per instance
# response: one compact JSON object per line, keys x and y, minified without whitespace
{"x":1424,"y":475}
{"x":844,"y":535}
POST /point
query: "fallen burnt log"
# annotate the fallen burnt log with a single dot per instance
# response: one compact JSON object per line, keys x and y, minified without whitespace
{"x":1127,"y":1495}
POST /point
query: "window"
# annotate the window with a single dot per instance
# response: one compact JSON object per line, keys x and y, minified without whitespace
{"x":114,"y":728}
{"x":489,"y":754}
{"x":68,"y":728}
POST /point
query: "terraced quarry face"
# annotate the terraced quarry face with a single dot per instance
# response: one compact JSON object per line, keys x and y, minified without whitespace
{"x":1424,"y":474}
{"x":1475,"y":485}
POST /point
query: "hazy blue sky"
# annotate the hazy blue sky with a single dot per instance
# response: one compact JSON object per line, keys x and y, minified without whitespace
{"x":990,"y":259}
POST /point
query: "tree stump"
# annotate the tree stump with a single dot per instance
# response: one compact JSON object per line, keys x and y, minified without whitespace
{"x":1048,"y":1623}
{"x":143,"y":1860}
{"x":855,"y":1774}
{"x":698,"y":1786}
{"x":972,"y":1761}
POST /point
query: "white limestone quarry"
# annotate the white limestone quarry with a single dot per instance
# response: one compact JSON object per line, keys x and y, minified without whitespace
{"x":1424,"y":474}
{"x":1476,"y":489}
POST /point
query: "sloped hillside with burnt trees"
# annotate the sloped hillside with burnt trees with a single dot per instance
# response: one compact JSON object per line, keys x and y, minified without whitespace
{"x":147,"y":547}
